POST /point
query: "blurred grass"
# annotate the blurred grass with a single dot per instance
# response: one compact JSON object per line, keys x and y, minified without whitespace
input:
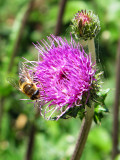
{"x":53,"y":140}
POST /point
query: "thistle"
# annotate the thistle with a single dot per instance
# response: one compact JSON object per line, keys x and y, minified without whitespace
{"x":85,"y":25}
{"x":65,"y":77}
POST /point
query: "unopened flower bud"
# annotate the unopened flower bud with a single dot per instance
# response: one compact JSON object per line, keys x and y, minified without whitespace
{"x":86,"y":25}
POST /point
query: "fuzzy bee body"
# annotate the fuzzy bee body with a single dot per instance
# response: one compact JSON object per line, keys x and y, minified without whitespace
{"x":25,"y":84}
{"x":29,"y":88}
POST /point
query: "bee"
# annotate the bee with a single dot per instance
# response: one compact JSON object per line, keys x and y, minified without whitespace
{"x":25,"y":83}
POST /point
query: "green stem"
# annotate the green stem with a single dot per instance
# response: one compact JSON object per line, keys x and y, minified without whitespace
{"x":91,"y":47}
{"x":84,"y":130}
{"x":87,"y":120}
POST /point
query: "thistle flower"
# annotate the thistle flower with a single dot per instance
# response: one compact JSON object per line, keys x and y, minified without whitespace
{"x":64,"y":75}
{"x":85,"y":25}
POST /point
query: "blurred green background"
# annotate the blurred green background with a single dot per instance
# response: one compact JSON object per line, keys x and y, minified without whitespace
{"x":22,"y":23}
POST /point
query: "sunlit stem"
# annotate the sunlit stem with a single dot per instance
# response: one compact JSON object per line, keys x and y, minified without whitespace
{"x":91,"y":48}
{"x":84,"y":131}
{"x":87,"y":120}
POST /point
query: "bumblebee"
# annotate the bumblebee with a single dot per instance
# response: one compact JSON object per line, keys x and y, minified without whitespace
{"x":25,"y":83}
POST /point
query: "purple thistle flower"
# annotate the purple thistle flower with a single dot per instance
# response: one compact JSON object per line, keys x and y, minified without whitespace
{"x":64,"y":74}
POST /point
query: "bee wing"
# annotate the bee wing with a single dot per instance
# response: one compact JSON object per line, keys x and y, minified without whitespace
{"x":13,"y":82}
{"x":23,"y":70}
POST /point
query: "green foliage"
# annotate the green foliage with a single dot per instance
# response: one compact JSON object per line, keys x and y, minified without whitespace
{"x":76,"y":6}
{"x":100,"y":107}
{"x":53,"y":140}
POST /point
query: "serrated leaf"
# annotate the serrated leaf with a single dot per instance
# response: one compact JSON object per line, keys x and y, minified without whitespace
{"x":100,"y":108}
{"x":96,"y":119}
{"x":103,"y":93}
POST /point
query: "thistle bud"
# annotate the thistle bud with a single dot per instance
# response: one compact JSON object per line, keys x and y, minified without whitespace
{"x":86,"y":25}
